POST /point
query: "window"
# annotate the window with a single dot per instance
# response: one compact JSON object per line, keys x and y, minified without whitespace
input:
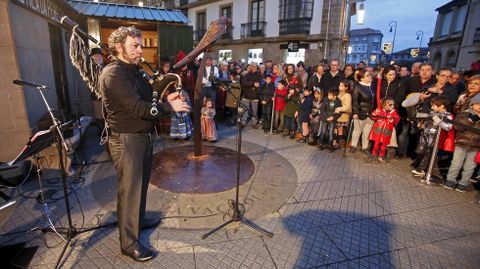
{"x":225,"y":55}
{"x":255,"y":55}
{"x":295,"y":57}
{"x":292,"y":9}
{"x":461,"y":15}
{"x":201,"y":25}
{"x":447,"y":21}
{"x":295,"y":16}
{"x":258,"y":12}
{"x":226,"y":11}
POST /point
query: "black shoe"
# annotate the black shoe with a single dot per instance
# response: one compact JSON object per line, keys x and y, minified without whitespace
{"x":366,"y":152}
{"x":150,"y":223}
{"x":321,"y":146}
{"x":352,"y":150}
{"x":139,"y":253}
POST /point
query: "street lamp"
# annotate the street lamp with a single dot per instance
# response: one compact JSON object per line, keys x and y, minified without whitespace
{"x":393,"y":24}
{"x":420,"y":36}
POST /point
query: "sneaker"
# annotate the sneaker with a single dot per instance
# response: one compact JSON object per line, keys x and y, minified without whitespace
{"x":418,"y":172}
{"x":382,"y":160}
{"x":461,"y":188}
{"x":450,"y":185}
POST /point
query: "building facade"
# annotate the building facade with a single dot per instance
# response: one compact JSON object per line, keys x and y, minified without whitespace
{"x":278,"y":30}
{"x":364,"y":46}
{"x":456,"y":41}
{"x":409,"y":56}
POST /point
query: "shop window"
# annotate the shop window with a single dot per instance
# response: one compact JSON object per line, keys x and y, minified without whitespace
{"x":295,"y":57}
{"x":255,"y":55}
{"x":225,"y":55}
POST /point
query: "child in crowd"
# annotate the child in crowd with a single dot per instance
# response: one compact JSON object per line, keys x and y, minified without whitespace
{"x":280,"y":94}
{"x":209,"y":130}
{"x":467,"y":145}
{"x":291,"y":106}
{"x":266,"y":99}
{"x":181,"y":126}
{"x":439,"y":117}
{"x":345,"y":110}
{"x":329,"y":119}
{"x":315,"y":118}
{"x":304,"y":112}
{"x":385,"y":120}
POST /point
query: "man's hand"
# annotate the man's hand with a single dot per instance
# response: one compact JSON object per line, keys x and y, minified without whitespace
{"x":330,"y":118}
{"x":424,"y":96}
{"x":264,"y":102}
{"x":177,"y":104}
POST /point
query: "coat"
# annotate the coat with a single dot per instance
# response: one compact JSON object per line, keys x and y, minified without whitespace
{"x":384,"y":125}
{"x":305,"y":108}
{"x":466,"y":136}
{"x":291,"y":104}
{"x":363,"y":99}
{"x":280,"y":99}
{"x":346,"y":109}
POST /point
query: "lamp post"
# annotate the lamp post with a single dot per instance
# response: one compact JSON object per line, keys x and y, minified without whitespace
{"x":393,"y":26}
{"x":420,"y":37}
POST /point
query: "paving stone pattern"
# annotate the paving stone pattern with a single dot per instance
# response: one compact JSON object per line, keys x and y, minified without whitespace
{"x":344,"y":213}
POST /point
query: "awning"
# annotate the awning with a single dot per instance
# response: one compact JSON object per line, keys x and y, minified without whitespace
{"x":129,"y":12}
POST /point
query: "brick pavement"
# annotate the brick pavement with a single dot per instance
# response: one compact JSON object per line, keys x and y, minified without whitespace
{"x":343,"y":213}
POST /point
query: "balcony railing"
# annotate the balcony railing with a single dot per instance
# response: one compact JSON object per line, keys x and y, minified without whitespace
{"x":253,"y":29}
{"x":198,"y":34}
{"x":295,"y":26}
{"x":228,"y":33}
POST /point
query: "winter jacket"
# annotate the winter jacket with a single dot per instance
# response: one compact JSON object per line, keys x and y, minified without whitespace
{"x":266,"y":92}
{"x":384,"y":125}
{"x":280,"y":99}
{"x":466,"y":136}
{"x":328,"y":108}
{"x":305,"y":108}
{"x":331,"y":82}
{"x":291,"y":104}
{"x":248,"y":89}
{"x":363,"y":100}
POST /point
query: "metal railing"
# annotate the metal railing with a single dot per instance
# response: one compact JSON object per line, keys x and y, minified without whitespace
{"x":294,"y":26}
{"x":253,"y":29}
{"x":228,"y":33}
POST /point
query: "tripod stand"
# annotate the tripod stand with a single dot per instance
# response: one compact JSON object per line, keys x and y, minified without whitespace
{"x":237,"y":207}
{"x":61,"y":145}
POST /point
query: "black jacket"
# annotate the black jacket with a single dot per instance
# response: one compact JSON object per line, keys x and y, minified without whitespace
{"x":266,"y":92}
{"x":414,"y":84}
{"x":395,"y":91}
{"x":363,"y":100}
{"x":127,"y":98}
{"x":248,"y":89}
{"x":328,"y":109}
{"x":331,"y":82}
{"x":313,"y":81}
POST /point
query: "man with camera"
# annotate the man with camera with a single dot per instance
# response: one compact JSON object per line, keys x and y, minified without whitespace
{"x":209,"y":75}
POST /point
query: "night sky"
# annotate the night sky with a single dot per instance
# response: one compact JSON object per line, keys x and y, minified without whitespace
{"x":411,"y":16}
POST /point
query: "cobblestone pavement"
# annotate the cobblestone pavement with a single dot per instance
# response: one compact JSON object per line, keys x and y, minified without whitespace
{"x":343,"y":213}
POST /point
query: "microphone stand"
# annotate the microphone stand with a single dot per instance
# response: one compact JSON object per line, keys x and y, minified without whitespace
{"x":62,"y":145}
{"x":237,"y":207}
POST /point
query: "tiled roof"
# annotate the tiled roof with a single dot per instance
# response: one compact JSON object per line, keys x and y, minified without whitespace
{"x":129,"y":12}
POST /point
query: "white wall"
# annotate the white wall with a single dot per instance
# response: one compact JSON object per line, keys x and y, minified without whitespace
{"x":316,"y":23}
{"x":239,"y":14}
{"x":271,"y":17}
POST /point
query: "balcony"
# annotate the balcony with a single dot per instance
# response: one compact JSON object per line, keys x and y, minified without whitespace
{"x":228,"y":34}
{"x":295,"y":26}
{"x":198,"y":34}
{"x":253,"y":29}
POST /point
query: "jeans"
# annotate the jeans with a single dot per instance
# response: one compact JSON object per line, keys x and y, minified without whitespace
{"x":267,"y":115}
{"x":252,"y":106}
{"x":209,"y":92}
{"x":403,"y":136}
{"x":290,"y":124}
{"x":363,"y":128}
{"x":465,"y":159}
{"x":326,"y":128}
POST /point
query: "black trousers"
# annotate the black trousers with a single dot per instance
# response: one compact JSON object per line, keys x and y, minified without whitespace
{"x":132,"y":158}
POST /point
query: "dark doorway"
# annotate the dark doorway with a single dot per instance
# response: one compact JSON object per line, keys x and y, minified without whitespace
{"x":58,"y":60}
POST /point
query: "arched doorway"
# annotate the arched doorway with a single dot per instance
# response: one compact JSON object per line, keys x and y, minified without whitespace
{"x":451,"y":59}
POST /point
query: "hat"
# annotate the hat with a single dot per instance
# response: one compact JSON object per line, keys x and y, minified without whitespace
{"x":475,"y":100}
{"x":317,"y":89}
{"x":95,"y":50}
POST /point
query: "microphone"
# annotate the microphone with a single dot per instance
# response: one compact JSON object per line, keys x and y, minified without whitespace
{"x":24,"y":83}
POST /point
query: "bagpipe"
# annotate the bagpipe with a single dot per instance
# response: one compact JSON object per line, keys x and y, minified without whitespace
{"x":90,"y":71}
